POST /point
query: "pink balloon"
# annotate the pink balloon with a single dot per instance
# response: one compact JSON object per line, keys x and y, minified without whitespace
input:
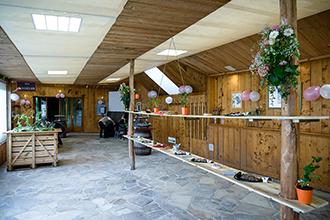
{"x":58,"y":95}
{"x":245,"y":96}
{"x":27,"y":102}
{"x":182,"y":89}
{"x":312,"y":93}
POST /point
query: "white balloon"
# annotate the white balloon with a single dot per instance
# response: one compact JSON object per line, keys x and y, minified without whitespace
{"x":14,"y":97}
{"x":169,"y":100}
{"x":188,"y":89}
{"x":22,"y":102}
{"x":99,"y":102}
{"x":254,"y":96}
{"x":153,"y":94}
{"x":325,"y":91}
{"x":62,"y":95}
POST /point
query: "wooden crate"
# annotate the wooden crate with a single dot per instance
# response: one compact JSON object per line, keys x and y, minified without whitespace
{"x":31,"y":148}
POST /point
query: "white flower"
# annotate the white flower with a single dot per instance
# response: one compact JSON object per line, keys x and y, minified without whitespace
{"x":288,"y":32}
{"x":273,"y":34}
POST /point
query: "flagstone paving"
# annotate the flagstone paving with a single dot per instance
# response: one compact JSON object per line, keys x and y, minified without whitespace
{"x":93,"y":181}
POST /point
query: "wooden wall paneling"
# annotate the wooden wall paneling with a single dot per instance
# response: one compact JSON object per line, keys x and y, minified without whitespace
{"x":212,"y":140}
{"x":3,"y":153}
{"x":322,"y":148}
{"x":305,"y":78}
{"x":220,"y":143}
{"x":325,"y":103}
{"x":312,"y":35}
{"x":316,"y":80}
{"x":237,"y":146}
{"x":226,"y":97}
{"x":308,"y":46}
{"x":320,"y":26}
{"x":255,"y":87}
{"x":226,"y":145}
{"x":302,"y":154}
{"x":256,"y":139}
{"x":243,"y":149}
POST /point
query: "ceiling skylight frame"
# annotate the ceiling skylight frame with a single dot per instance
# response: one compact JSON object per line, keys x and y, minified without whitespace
{"x":162,"y":81}
{"x":44,"y":22}
{"x":171,"y":52}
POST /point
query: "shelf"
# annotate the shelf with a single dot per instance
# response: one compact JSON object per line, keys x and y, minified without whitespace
{"x":296,"y":119}
{"x":269,"y":190}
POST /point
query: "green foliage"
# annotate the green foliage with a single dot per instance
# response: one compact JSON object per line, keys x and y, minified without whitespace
{"x":307,"y":175}
{"x":183,"y":97}
{"x":153,"y":101}
{"x":124,"y":94}
{"x":272,"y":61}
{"x":38,"y":125}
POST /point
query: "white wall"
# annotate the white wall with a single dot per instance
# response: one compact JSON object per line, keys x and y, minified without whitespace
{"x":114,"y":102}
{"x":3,"y":111}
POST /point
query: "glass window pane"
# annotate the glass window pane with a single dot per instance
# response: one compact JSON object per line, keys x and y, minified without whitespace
{"x":68,"y":117}
{"x":77,"y":106}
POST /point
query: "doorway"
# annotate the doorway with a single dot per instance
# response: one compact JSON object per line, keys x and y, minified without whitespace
{"x":68,"y":109}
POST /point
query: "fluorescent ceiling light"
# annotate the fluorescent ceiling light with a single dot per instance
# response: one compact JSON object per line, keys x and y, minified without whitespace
{"x":166,"y":84}
{"x":113,"y":79}
{"x":170,"y":52}
{"x":57,"y":72}
{"x":230,"y":68}
{"x":56,"y":23}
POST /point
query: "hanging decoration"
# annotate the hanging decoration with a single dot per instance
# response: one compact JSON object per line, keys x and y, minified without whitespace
{"x":245,"y":96}
{"x":62,"y":96}
{"x":100,"y":102}
{"x":312,"y":93}
{"x":27,"y":102}
{"x":22,"y":101}
{"x":188,"y":89}
{"x":325,"y":91}
{"x":275,"y":50}
{"x":14,"y":97}
{"x":254,"y":96}
{"x":58,"y":95}
{"x":124,"y":94}
{"x":152,"y":94}
{"x":169,"y":100}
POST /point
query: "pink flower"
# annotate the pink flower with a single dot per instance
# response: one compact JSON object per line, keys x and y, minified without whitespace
{"x":283,"y":63}
{"x":121,"y":95}
{"x":284,"y":21}
{"x":263,"y":71}
{"x":277,"y":27}
{"x":265,"y":43}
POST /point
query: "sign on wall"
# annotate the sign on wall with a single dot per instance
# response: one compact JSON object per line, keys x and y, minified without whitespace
{"x":26,"y":86}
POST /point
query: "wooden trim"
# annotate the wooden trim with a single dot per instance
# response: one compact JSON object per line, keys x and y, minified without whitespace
{"x":314,"y":58}
{"x":229,"y":73}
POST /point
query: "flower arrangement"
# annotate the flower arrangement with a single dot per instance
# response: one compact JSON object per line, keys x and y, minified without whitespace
{"x":272,"y":61}
{"x":307,"y":175}
{"x":39,"y":124}
{"x":124,"y":94}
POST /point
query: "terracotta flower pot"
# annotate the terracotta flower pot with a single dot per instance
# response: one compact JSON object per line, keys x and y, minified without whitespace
{"x":185,"y":111}
{"x":304,"y":196}
{"x":156,"y":110}
{"x":137,"y":96}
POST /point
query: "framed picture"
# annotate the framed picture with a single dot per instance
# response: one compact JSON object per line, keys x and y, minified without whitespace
{"x":236,"y":100}
{"x":274,"y":99}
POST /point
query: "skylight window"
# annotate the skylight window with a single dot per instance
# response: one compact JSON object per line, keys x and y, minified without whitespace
{"x":56,"y":23}
{"x":57,"y":72}
{"x":170,"y":52}
{"x":167,"y":85}
{"x":113,"y":79}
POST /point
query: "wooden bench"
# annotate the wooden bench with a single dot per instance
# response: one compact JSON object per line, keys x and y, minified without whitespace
{"x":269,"y":190}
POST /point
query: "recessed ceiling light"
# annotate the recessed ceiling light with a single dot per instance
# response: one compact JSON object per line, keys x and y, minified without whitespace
{"x":170,"y":52}
{"x":56,"y":23}
{"x":230,"y":68}
{"x":57,"y":72}
{"x":113,"y":79}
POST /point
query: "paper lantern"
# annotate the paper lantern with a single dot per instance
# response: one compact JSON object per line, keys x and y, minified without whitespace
{"x":254,"y":96}
{"x":188,"y":89}
{"x":14,"y":97}
{"x":169,"y":100}
{"x":27,"y":102}
{"x":325,"y":91}
{"x":58,"y":95}
{"x":62,"y":96}
{"x":312,"y":93}
{"x":182,"y":89}
{"x":152,"y":94}
{"x":245,"y":96}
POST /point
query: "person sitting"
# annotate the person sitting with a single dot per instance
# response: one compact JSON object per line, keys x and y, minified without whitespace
{"x":106,"y":126}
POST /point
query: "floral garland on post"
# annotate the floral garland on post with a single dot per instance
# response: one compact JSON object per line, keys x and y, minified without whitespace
{"x":124,"y":94}
{"x":272,"y":61}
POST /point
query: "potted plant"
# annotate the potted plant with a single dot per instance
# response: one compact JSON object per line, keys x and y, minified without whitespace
{"x":154,"y":102}
{"x":303,"y":187}
{"x":137,"y":94}
{"x":124,"y":95}
{"x":184,"y":102}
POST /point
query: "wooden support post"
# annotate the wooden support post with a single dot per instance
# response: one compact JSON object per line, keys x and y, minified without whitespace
{"x":130,"y":119}
{"x":56,"y":135}
{"x":10,"y":150}
{"x":33,"y":151}
{"x":289,"y":130}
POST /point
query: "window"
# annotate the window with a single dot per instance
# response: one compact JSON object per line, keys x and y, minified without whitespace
{"x":166,"y":84}
{"x":3,"y":112}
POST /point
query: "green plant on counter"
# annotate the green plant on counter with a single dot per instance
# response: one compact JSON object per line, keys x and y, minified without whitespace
{"x":184,"y":101}
{"x":307,"y":175}
{"x":39,"y":124}
{"x":153,"y":101}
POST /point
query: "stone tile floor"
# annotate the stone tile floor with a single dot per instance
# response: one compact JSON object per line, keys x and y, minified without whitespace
{"x":93,"y":181}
